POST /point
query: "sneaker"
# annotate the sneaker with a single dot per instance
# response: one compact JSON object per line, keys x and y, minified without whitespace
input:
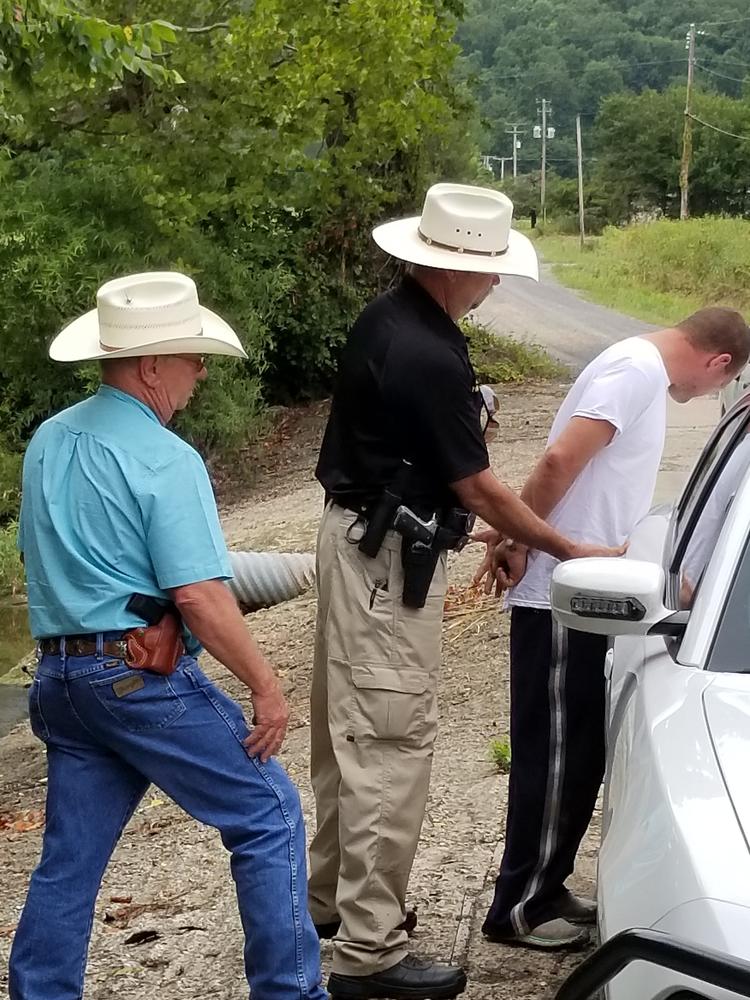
{"x":331,"y":928}
{"x":578,"y":909}
{"x":410,"y":979}
{"x":551,"y":935}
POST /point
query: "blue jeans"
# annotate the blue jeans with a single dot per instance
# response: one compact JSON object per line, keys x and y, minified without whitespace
{"x":107,"y":738}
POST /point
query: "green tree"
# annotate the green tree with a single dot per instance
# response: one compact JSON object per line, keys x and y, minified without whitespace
{"x":578,"y":54}
{"x":638,"y":148}
{"x":44,"y":39}
{"x":258,"y":164}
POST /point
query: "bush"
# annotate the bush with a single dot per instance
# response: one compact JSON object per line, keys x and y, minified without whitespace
{"x":708,"y":258}
{"x":70,"y":224}
{"x":661,"y":271}
{"x":10,"y":485}
{"x":497,"y":358}
{"x":11,"y":570}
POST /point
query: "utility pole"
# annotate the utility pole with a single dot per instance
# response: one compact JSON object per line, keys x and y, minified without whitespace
{"x":687,"y":134}
{"x":545,"y":110}
{"x":513,"y":130}
{"x":487,"y":162}
{"x":580,"y":181}
{"x":503,"y":161}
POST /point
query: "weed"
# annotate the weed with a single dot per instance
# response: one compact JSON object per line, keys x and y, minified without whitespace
{"x":498,"y":358}
{"x":659,"y":271}
{"x":500,"y":755}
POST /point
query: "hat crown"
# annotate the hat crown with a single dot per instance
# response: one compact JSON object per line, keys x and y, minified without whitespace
{"x":465,"y":218}
{"x":159,"y":305}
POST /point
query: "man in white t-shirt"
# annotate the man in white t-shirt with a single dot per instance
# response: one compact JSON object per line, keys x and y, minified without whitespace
{"x":594,"y":481}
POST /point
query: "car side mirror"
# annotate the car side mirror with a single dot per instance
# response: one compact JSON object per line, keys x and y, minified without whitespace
{"x":613,"y":597}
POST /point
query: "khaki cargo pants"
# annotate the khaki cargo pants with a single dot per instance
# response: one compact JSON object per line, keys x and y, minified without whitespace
{"x":373,"y":726}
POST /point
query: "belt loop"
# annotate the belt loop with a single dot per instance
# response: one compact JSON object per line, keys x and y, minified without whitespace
{"x":63,"y":648}
{"x":100,"y":646}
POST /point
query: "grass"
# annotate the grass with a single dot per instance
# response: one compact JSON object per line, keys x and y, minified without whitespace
{"x":500,"y":359}
{"x":658,"y":271}
{"x":500,"y":755}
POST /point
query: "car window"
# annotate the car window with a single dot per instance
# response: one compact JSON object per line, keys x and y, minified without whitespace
{"x":730,"y":652}
{"x":704,"y":504}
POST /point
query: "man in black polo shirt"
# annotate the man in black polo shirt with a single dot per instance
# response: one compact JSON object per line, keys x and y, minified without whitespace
{"x":405,"y":431}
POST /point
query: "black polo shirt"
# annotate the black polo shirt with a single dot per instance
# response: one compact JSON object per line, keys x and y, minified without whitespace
{"x":406,"y":390}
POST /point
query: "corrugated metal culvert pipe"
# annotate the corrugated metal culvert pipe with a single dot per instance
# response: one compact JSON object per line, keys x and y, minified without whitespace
{"x":262,"y":579}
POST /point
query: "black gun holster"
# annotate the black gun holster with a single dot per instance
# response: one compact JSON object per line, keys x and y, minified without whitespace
{"x":419,"y":562}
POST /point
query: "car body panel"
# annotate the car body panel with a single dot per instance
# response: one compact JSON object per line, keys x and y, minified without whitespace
{"x":670,"y":833}
{"x":727,"y":708}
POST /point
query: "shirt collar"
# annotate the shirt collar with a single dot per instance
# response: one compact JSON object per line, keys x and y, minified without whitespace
{"x":437,"y":317}
{"x":125,"y":397}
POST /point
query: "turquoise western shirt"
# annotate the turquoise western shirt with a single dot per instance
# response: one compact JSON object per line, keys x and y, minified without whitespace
{"x":113,"y":504}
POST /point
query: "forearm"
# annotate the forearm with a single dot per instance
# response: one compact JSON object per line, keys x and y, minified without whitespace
{"x":501,"y":508}
{"x":210,"y":612}
{"x":547,"y":485}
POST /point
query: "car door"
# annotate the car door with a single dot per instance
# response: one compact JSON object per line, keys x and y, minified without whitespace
{"x":660,"y":760}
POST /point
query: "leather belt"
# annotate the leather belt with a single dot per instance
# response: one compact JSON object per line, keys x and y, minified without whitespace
{"x":79,"y":645}
{"x":364,"y":509}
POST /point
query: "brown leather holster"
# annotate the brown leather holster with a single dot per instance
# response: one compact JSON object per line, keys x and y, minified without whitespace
{"x":156,"y":647}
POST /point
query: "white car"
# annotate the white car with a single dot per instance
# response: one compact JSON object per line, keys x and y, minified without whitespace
{"x":675,"y":852}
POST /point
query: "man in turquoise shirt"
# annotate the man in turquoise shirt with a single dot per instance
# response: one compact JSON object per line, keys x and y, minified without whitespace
{"x":111,"y":502}
{"x":116,"y":505}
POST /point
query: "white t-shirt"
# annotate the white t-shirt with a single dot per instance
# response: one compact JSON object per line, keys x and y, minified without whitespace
{"x":625,"y":385}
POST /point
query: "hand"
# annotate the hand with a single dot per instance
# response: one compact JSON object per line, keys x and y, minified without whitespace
{"x":508,"y":566}
{"x":582,"y":550}
{"x":269,"y":723}
{"x":490,"y":537}
{"x":504,"y":562}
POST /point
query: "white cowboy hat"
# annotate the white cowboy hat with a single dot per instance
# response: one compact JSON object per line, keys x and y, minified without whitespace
{"x":462,"y":228}
{"x":153,"y":313}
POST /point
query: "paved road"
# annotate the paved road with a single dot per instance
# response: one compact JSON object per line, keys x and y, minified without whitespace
{"x":572,"y":330}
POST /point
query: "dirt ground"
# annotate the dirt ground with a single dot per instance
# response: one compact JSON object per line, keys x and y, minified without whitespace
{"x":166,"y":923}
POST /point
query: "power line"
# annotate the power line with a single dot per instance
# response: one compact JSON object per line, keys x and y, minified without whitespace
{"x":723,"y":76}
{"x":736,"y":62}
{"x":717,"y":24}
{"x":715,"y":128}
{"x":654,"y":62}
{"x":619,"y":64}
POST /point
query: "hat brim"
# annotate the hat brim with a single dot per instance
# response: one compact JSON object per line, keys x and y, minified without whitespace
{"x":401,"y":239}
{"x":79,"y":341}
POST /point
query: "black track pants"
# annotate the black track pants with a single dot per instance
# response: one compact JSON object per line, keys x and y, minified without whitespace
{"x":557,"y":764}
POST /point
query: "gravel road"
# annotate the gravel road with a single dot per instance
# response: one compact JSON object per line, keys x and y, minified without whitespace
{"x":572,"y":330}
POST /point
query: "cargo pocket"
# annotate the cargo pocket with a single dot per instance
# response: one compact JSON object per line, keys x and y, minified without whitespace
{"x":138,"y":699}
{"x":388,"y":703}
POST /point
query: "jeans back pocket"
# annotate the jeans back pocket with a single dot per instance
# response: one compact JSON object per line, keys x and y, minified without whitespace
{"x":138,"y":699}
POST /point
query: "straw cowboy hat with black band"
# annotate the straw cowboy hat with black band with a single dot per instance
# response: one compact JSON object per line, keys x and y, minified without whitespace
{"x":461,"y":228}
{"x":153,"y":313}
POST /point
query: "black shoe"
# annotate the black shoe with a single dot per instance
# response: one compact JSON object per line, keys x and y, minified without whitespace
{"x":411,"y":979}
{"x":331,"y":929}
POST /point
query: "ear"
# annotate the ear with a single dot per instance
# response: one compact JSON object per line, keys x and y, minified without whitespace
{"x":148,"y":370}
{"x":721,"y":361}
